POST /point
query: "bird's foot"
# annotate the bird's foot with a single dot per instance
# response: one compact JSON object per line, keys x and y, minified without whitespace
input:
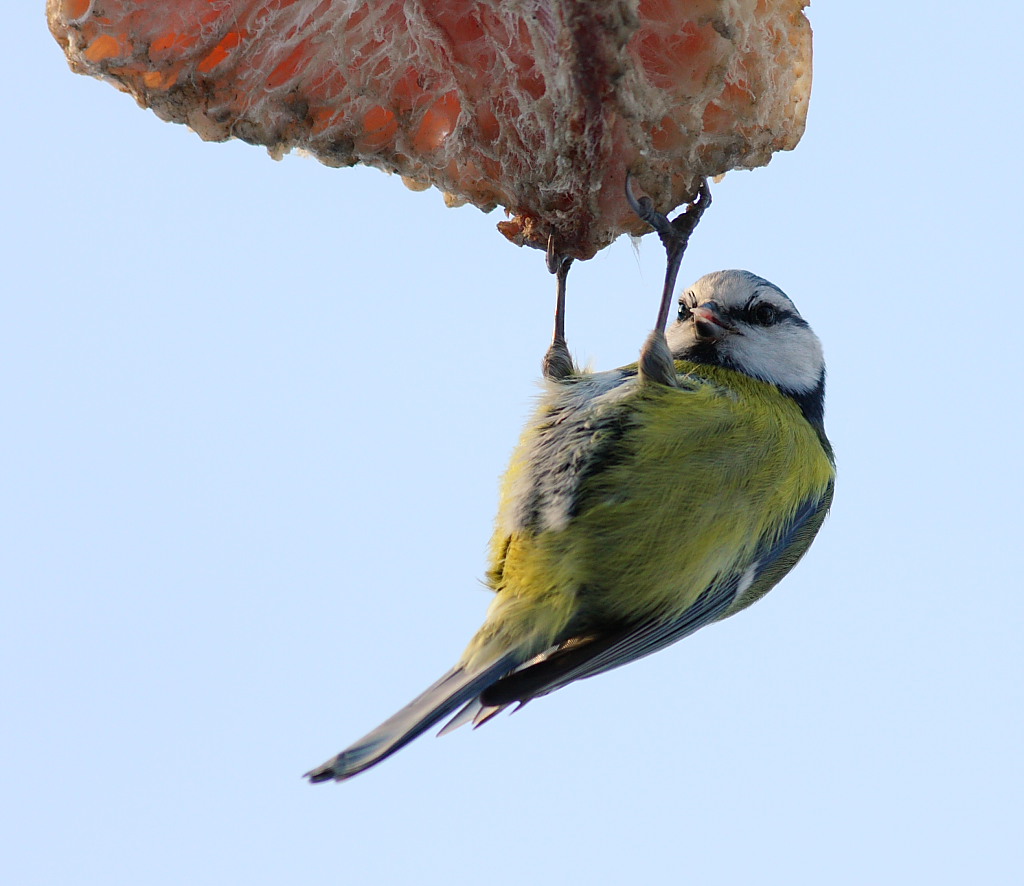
{"x":656,"y":362}
{"x":557,"y":364}
{"x":675,"y":233}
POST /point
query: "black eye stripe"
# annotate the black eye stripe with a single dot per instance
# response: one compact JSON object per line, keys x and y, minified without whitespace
{"x":746,"y":314}
{"x":760,"y":313}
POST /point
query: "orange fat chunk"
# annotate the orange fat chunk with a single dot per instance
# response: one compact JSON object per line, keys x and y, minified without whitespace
{"x":74,"y":9}
{"x":379,"y":127}
{"x":541,"y":106}
{"x":437,"y":124}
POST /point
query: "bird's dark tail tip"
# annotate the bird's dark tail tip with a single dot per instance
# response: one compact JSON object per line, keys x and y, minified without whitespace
{"x":316,"y":776}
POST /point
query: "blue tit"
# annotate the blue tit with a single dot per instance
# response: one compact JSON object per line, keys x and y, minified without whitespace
{"x":642,"y":503}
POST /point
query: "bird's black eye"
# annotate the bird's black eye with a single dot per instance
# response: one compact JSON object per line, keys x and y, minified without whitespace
{"x":685,"y":306}
{"x":763,"y":314}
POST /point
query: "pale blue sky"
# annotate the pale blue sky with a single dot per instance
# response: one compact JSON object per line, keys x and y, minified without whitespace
{"x":254,"y":417}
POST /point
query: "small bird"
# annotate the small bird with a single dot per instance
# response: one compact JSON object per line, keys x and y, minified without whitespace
{"x":642,"y":503}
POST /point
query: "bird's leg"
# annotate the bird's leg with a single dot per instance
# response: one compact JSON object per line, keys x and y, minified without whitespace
{"x":558,"y":363}
{"x":656,"y":362}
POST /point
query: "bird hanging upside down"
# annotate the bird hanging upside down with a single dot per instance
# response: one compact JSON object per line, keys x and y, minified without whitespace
{"x":642,"y":503}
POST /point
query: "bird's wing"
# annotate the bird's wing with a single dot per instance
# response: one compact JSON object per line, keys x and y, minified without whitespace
{"x":583,"y":656}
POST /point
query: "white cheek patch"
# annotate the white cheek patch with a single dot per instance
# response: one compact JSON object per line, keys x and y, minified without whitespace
{"x":787,"y":355}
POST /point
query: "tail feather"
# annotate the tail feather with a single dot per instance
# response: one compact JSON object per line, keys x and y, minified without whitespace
{"x":474,"y":712}
{"x":451,"y":692}
{"x":466,"y":715}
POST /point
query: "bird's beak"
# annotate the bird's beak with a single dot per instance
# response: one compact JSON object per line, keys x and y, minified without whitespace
{"x":709,"y":322}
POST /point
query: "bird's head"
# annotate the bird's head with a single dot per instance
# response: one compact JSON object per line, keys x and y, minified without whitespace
{"x":741,"y":321}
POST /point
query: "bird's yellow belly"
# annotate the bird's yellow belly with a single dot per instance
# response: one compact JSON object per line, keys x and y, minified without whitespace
{"x":626,"y":502}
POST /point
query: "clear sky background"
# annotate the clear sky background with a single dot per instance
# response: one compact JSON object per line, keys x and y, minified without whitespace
{"x":254,"y":416}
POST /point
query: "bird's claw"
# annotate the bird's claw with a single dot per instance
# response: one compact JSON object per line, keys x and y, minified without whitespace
{"x":643,"y":206}
{"x":556,"y":261}
{"x":679,"y":229}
